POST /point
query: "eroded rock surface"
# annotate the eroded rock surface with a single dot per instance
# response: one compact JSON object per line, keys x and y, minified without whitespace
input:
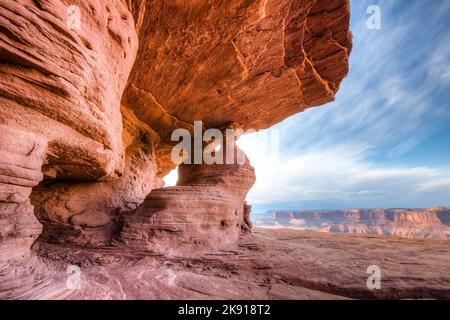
{"x":204,"y":211}
{"x":60,"y":117}
{"x":269,"y":264}
{"x":249,"y":62}
{"x":86,"y":117}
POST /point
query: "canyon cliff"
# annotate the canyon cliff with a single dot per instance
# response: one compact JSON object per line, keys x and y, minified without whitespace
{"x":87,"y":113}
{"x":405,"y":223}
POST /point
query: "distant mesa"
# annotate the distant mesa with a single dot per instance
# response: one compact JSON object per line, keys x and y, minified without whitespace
{"x":406,"y":223}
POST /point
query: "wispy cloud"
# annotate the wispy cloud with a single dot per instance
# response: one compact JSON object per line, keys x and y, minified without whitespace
{"x":342,"y":176}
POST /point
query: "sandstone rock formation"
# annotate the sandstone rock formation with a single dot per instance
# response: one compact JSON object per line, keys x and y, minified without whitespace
{"x":204,"y":211}
{"x":407,"y":223}
{"x":86,"y":115}
{"x":249,"y":62}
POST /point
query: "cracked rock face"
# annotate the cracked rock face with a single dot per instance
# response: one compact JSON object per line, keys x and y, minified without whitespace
{"x":254,"y":63}
{"x":86,"y":114}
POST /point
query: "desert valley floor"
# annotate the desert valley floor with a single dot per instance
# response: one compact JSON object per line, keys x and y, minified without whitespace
{"x":270,"y":264}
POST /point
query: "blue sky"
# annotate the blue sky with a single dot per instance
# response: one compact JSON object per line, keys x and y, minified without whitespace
{"x":385,"y":141}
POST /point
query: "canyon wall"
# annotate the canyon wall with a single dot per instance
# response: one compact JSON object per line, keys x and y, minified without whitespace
{"x":87,"y":113}
{"x":408,"y":223}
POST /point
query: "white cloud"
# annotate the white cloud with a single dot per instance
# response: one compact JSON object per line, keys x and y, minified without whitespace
{"x":436,"y":184}
{"x":342,"y":174}
{"x":438,"y":65}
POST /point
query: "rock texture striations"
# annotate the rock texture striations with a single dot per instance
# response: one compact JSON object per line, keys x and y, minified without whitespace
{"x":268,"y":264}
{"x":204,"y":211}
{"x":249,"y":62}
{"x":87,"y":113}
{"x":60,"y":117}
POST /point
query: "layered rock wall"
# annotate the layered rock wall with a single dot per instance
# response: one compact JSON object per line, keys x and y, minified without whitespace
{"x":89,"y":212}
{"x":410,"y":223}
{"x":60,"y":117}
{"x":21,"y":158}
